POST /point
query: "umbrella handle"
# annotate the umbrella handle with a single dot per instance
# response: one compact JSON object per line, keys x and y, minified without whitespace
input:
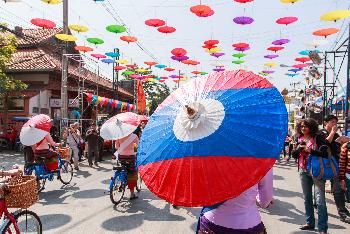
{"x":191,"y":113}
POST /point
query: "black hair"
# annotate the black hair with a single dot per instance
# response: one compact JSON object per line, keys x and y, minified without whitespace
{"x":310,"y":123}
{"x":329,"y":118}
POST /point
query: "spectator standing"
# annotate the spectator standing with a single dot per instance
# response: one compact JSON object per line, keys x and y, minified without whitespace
{"x":92,"y":139}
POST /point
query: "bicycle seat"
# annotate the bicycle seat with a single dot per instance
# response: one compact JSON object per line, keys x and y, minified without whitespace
{"x":118,"y":168}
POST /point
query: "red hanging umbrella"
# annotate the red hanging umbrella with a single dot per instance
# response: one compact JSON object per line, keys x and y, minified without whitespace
{"x":302,"y":65}
{"x":209,"y":46}
{"x":275,"y":48}
{"x":98,"y":56}
{"x":303,"y":59}
{"x":119,"y":68}
{"x":210,"y":13}
{"x":150,"y":63}
{"x":325,"y":32}
{"x":243,"y":1}
{"x":196,"y":72}
{"x":190,"y":62}
{"x":132,"y":66}
{"x":287,"y":20}
{"x":179,"y":52}
{"x":155,"y":22}
{"x":128,"y":39}
{"x":200,"y":10}
{"x":169,"y":69}
{"x":166,"y":29}
{"x":44,"y":23}
{"x":241,"y":45}
{"x":211,"y":42}
{"x":83,"y":49}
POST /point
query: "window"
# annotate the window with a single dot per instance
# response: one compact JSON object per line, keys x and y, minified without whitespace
{"x":14,"y":104}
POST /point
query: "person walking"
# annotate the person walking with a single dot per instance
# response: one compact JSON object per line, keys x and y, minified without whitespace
{"x":92,"y":139}
{"x":330,"y":133}
{"x":126,"y":154}
{"x":239,"y":214}
{"x":73,"y":140}
{"x":312,"y":143}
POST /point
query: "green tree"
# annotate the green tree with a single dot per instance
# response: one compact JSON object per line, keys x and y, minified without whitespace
{"x":9,"y":86}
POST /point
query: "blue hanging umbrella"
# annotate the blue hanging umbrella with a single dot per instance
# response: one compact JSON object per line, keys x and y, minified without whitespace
{"x":213,"y":138}
{"x":108,"y":61}
{"x":292,"y":74}
{"x":306,"y":52}
{"x":295,"y":70}
{"x":112,"y":54}
{"x":160,"y":66}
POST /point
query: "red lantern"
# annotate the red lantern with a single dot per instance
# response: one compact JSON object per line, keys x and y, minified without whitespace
{"x":200,"y":10}
{"x":275,"y":48}
{"x":303,"y":59}
{"x":128,"y":39}
{"x":169,"y":69}
{"x":155,"y":22}
{"x":150,"y":63}
{"x":166,"y":29}
{"x":179,"y":52}
{"x":287,"y":20}
{"x":241,"y":45}
{"x":119,"y":68}
{"x":83,"y":48}
{"x":44,"y":23}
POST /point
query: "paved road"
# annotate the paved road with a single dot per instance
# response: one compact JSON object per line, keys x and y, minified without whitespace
{"x":84,"y":206}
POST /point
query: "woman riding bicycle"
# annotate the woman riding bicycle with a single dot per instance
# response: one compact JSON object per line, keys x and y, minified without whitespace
{"x":127,"y":156}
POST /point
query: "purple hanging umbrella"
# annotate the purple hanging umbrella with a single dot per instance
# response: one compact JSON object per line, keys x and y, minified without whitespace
{"x":219,"y":69}
{"x":268,"y":72}
{"x":281,"y":41}
{"x":243,"y":20}
{"x":271,"y":56}
{"x":179,"y":58}
{"x":173,"y":76}
{"x":242,"y":49}
{"x":217,"y":55}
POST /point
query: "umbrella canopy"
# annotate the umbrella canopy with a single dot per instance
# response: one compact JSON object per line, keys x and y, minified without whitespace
{"x":270,"y":65}
{"x":336,"y":15}
{"x":66,"y":37}
{"x":119,"y":126}
{"x":95,"y":40}
{"x":219,"y":69}
{"x":210,"y":13}
{"x":240,"y":45}
{"x":35,"y":129}
{"x":119,"y":68}
{"x":108,"y":61}
{"x":155,"y":22}
{"x":169,"y":69}
{"x":78,"y":28}
{"x":179,"y":58}
{"x":150,"y":63}
{"x":292,"y":74}
{"x":128,"y":39}
{"x":44,"y":23}
{"x":287,"y":20}
{"x":112,"y":54}
{"x":275,"y":48}
{"x":160,"y":66}
{"x":267,"y":71}
{"x":52,"y":1}
{"x":271,"y":56}
{"x":239,"y":55}
{"x":281,"y":41}
{"x":196,"y":149}
{"x":213,"y":50}
{"x":303,"y":59}
{"x":238,"y":61}
{"x":325,"y":32}
{"x":217,"y":55}
{"x":122,"y":61}
{"x":242,"y":49}
{"x":178,"y":52}
{"x":200,"y":10}
{"x":211,"y":42}
{"x":98,"y":56}
{"x":190,"y":62}
{"x":243,"y":20}
{"x":83,"y":49}
{"x":116,"y":28}
{"x":289,"y":1}
{"x":166,"y":29}
{"x":243,"y":1}
{"x":302,"y":65}
{"x":295,"y":70}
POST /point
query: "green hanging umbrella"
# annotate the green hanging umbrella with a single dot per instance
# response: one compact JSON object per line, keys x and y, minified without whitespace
{"x":204,"y":73}
{"x":128,"y":73}
{"x":239,"y":55}
{"x":238,"y":61}
{"x":95,"y":40}
{"x":116,"y":28}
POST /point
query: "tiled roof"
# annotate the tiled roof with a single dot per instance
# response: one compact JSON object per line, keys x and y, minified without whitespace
{"x":34,"y":36}
{"x":31,"y":59}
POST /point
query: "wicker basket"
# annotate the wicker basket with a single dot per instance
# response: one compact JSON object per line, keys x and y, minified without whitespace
{"x":22,"y":192}
{"x":64,"y":152}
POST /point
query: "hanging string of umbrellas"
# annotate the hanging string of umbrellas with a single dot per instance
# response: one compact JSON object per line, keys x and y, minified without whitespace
{"x":108,"y":102}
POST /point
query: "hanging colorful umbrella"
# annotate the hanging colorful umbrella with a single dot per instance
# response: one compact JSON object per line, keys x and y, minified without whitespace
{"x":119,"y":68}
{"x":119,"y":126}
{"x":336,"y":15}
{"x":211,"y":42}
{"x":292,"y":74}
{"x":166,"y":29}
{"x":155,"y":22}
{"x":78,"y":28}
{"x":287,"y":20}
{"x":83,"y":49}
{"x":160,"y":66}
{"x":219,"y":69}
{"x":210,"y":13}
{"x":300,"y":65}
{"x":95,"y":40}
{"x":98,"y":56}
{"x":270,"y":64}
{"x":325,"y":32}
{"x":289,"y":1}
{"x":132,"y":66}
{"x":240,"y":45}
{"x":209,"y":46}
{"x":179,"y":58}
{"x":243,"y":20}
{"x":303,"y":59}
{"x":190,"y":62}
{"x":112,"y":54}
{"x":217,"y":55}
{"x":66,"y":37}
{"x":128,"y":73}
{"x":169,"y":69}
{"x":243,"y":1}
{"x":178,"y":52}
{"x":52,"y":1}
{"x":200,"y":10}
{"x":43,"y":23}
{"x":196,"y":72}
{"x":295,"y":70}
{"x":281,"y":41}
{"x":238,"y":61}
{"x":108,"y":61}
{"x":271,"y":56}
{"x":317,"y":43}
{"x":141,"y":70}
{"x":275,"y":48}
{"x":128,"y":39}
{"x":207,"y":136}
{"x":213,"y":50}
{"x":268,"y":72}
{"x":239,"y":55}
{"x":150,"y":63}
{"x":122,"y":61}
{"x":116,"y":28}
{"x":35,"y":129}
{"x":242,"y":49}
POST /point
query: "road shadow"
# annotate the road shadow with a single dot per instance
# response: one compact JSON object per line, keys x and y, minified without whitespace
{"x":81,"y":173}
{"x":54,"y":197}
{"x":91,"y":193}
{"x":52,"y":221}
{"x":277,"y":177}
{"x":286,"y":193}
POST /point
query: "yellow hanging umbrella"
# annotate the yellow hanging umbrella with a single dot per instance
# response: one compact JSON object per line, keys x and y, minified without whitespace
{"x":213,"y":50}
{"x":52,"y":1}
{"x":122,"y":61}
{"x":66,"y":37}
{"x":336,"y":15}
{"x":140,"y":70}
{"x":78,"y":28}
{"x":289,"y":1}
{"x":271,"y":65}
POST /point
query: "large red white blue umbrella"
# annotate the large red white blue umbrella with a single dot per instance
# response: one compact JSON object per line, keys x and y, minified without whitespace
{"x":213,"y":138}
{"x":35,"y":129}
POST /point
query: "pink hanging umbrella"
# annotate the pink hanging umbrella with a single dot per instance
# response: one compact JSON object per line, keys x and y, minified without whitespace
{"x":287,"y":20}
{"x":217,"y":55}
{"x":302,"y":65}
{"x":242,"y":49}
{"x":98,"y":56}
{"x":35,"y":129}
{"x":280,"y":41}
{"x":268,"y":72}
{"x":243,"y":20}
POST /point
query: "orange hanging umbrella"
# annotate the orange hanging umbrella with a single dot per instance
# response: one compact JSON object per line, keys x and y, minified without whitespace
{"x":155,"y":22}
{"x":200,"y":10}
{"x":169,"y":69}
{"x":150,"y":63}
{"x":325,"y":32}
{"x":83,"y":49}
{"x":128,"y":39}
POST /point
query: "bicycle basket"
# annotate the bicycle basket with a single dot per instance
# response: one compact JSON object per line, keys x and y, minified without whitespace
{"x":64,"y":152}
{"x":21,"y":192}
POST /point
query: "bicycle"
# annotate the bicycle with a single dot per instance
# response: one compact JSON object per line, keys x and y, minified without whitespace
{"x":64,"y":172}
{"x":119,"y":182}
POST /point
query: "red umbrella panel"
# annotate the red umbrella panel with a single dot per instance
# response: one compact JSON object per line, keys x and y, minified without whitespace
{"x":119,"y":68}
{"x":155,"y":22}
{"x":209,"y":46}
{"x":44,"y":23}
{"x":211,"y":42}
{"x":169,"y":69}
{"x":275,"y":48}
{"x":243,"y":1}
{"x":166,"y":29}
{"x":210,"y":13}
{"x":179,"y":52}
{"x":132,"y":66}
{"x":287,"y":20}
{"x":303,"y":59}
{"x":35,"y":129}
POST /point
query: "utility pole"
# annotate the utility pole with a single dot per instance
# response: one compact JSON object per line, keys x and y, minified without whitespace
{"x":116,"y":50}
{"x":64,"y":92}
{"x":347,"y":87}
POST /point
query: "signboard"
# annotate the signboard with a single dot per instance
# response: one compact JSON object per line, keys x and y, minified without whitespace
{"x":57,"y":103}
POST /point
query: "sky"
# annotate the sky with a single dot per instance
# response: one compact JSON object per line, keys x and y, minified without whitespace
{"x":192,"y":31}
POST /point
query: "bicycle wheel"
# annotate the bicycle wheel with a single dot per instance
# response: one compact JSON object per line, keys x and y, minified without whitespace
{"x":27,"y":222}
{"x":66,"y":172}
{"x":116,"y":193}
